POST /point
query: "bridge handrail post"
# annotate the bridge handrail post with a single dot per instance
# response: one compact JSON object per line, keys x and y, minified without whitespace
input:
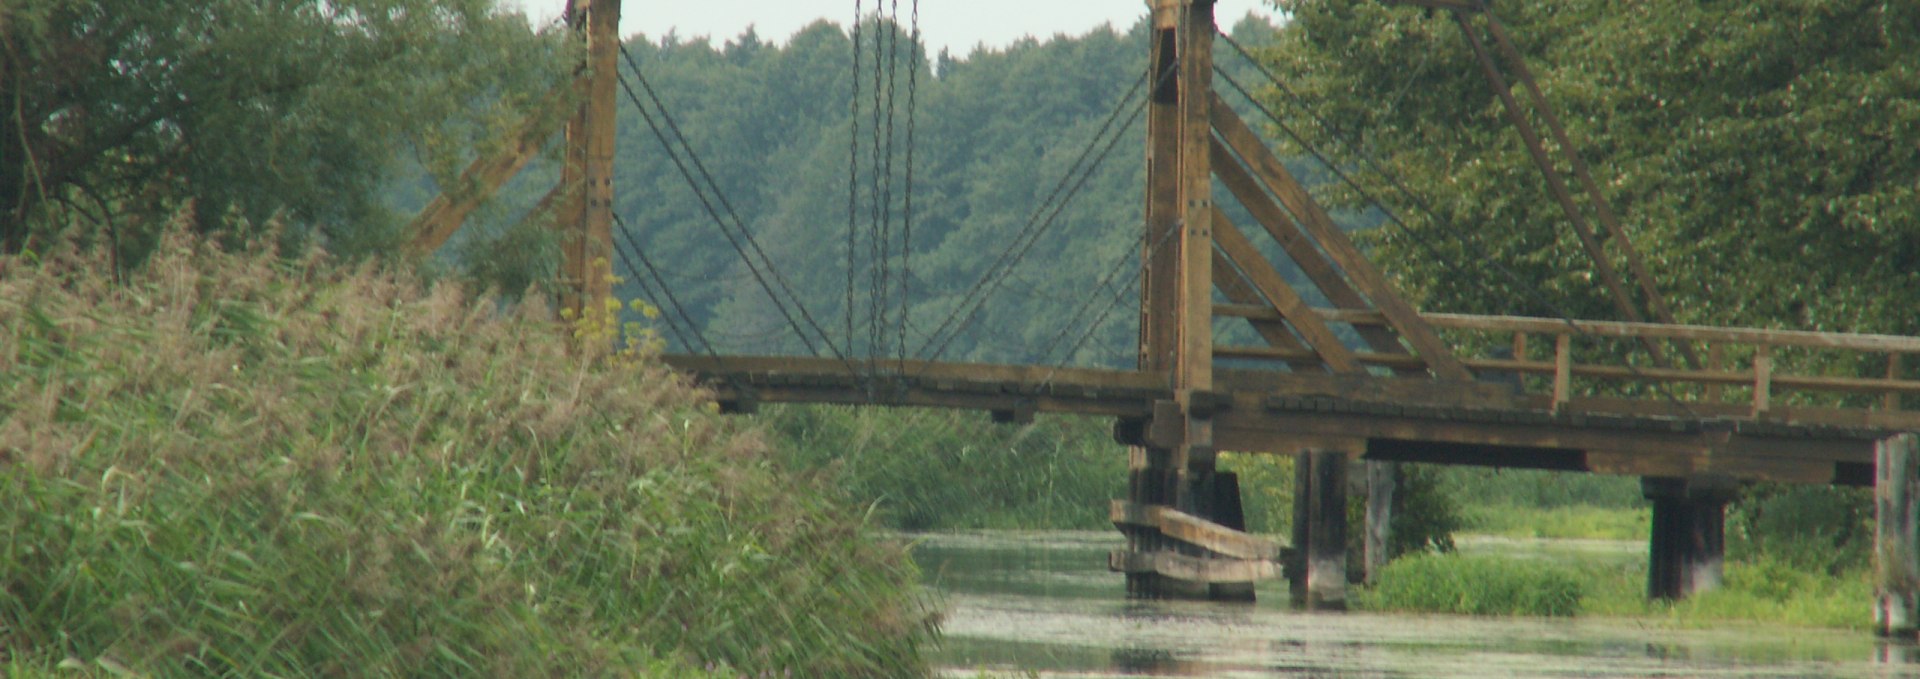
{"x":1562,"y":370}
{"x":1890,"y":401}
{"x":1762,"y":380}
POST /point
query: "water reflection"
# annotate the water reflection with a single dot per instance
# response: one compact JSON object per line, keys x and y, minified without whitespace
{"x":1045,"y":603}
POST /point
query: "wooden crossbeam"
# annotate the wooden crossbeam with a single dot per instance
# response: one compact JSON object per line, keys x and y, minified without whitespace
{"x":438,"y":221}
{"x":1302,"y":251}
{"x":1235,"y":287}
{"x":1271,"y":285}
{"x":1338,"y":246}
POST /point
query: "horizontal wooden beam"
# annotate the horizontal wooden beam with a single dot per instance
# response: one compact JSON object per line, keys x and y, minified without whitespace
{"x":1193,"y":530}
{"x":1192,"y":568}
{"x":1555,"y":326}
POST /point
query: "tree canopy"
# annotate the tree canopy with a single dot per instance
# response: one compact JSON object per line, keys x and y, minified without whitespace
{"x":1762,"y":152}
{"x":118,"y":111}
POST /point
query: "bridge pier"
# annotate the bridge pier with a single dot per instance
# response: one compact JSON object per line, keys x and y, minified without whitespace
{"x":1317,"y":570}
{"x":1896,"y":513}
{"x":1686,"y":549}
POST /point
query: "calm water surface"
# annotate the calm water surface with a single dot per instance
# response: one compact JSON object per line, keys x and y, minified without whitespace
{"x":1043,"y":602}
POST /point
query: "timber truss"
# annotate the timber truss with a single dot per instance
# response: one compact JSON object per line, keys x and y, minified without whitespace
{"x":1366,"y":376}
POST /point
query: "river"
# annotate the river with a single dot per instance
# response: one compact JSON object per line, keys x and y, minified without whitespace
{"x":1044,"y":604}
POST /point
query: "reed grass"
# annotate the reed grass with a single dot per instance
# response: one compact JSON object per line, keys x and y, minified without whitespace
{"x":241,"y":464}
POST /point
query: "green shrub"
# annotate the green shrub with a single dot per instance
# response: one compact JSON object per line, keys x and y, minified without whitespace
{"x":237,"y":465}
{"x":928,"y":469}
{"x":1475,"y":585}
{"x":1812,"y":527}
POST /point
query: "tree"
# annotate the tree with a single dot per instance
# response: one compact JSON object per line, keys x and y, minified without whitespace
{"x":1762,"y":152}
{"x":119,"y":111}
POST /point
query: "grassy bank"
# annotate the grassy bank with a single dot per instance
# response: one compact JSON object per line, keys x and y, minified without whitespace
{"x":240,"y":465}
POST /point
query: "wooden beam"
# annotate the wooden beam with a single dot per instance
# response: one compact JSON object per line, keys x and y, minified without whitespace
{"x":1234,"y":286}
{"x":586,"y":217}
{"x":1260,"y":272}
{"x":1603,"y":208}
{"x":1609,"y":278}
{"x":1298,"y":248}
{"x":1192,"y":569}
{"x":1702,"y":333}
{"x":1366,"y":278}
{"x":1193,"y":530}
{"x":444,"y":215}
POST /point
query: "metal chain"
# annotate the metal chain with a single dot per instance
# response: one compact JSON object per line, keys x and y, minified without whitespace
{"x":906,"y":224}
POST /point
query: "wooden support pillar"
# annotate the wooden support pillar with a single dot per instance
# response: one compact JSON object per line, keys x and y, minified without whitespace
{"x":1296,"y":565}
{"x":1686,"y":551}
{"x":1326,"y":544}
{"x":1380,"y":487}
{"x":1174,"y":466}
{"x":586,"y":217}
{"x":1896,"y":505}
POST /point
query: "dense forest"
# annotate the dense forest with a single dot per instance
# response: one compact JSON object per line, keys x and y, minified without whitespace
{"x":997,"y":195}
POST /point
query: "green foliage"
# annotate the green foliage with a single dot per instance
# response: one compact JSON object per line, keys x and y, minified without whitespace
{"x":1543,"y":489}
{"x":1567,"y":522}
{"x":121,"y":111}
{"x":926,"y":469}
{"x":243,"y":465}
{"x":1824,"y":529}
{"x":1756,"y":150}
{"x":1476,"y":585}
{"x":1424,"y":519}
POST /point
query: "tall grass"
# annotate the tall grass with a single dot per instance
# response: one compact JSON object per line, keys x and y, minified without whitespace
{"x":237,"y":464}
{"x":1475,"y":585}
{"x":927,"y":470}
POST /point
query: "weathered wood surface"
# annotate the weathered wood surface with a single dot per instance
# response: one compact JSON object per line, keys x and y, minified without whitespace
{"x":1277,"y":412}
{"x":1896,"y":545}
{"x":1193,"y":530}
{"x":1365,"y":276}
{"x":1193,"y":569}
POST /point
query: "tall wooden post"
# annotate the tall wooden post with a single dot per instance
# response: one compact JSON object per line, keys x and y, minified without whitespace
{"x":1176,"y":468}
{"x":586,"y":217}
{"x":1896,"y":505}
{"x":1380,"y":487}
{"x":1687,"y":543}
{"x":1326,"y":545}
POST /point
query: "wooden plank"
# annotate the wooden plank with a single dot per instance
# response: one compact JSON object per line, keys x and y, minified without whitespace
{"x":1212,"y":537}
{"x":1298,"y":248}
{"x":1234,"y":286}
{"x":1030,"y":375}
{"x":1366,"y":278}
{"x":1270,"y":284}
{"x":1255,"y":385}
{"x":1783,"y":338}
{"x":1553,"y":326}
{"x":1191,"y":568}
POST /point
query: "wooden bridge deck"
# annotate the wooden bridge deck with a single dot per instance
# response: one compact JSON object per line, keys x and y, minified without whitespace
{"x":1496,"y":422}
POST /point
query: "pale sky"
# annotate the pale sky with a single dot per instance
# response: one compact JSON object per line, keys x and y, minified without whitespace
{"x":956,"y":25}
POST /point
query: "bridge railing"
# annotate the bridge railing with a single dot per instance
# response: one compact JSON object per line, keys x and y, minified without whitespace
{"x":1746,"y":371}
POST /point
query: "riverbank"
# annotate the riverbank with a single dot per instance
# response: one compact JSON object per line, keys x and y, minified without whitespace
{"x":238,"y":464}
